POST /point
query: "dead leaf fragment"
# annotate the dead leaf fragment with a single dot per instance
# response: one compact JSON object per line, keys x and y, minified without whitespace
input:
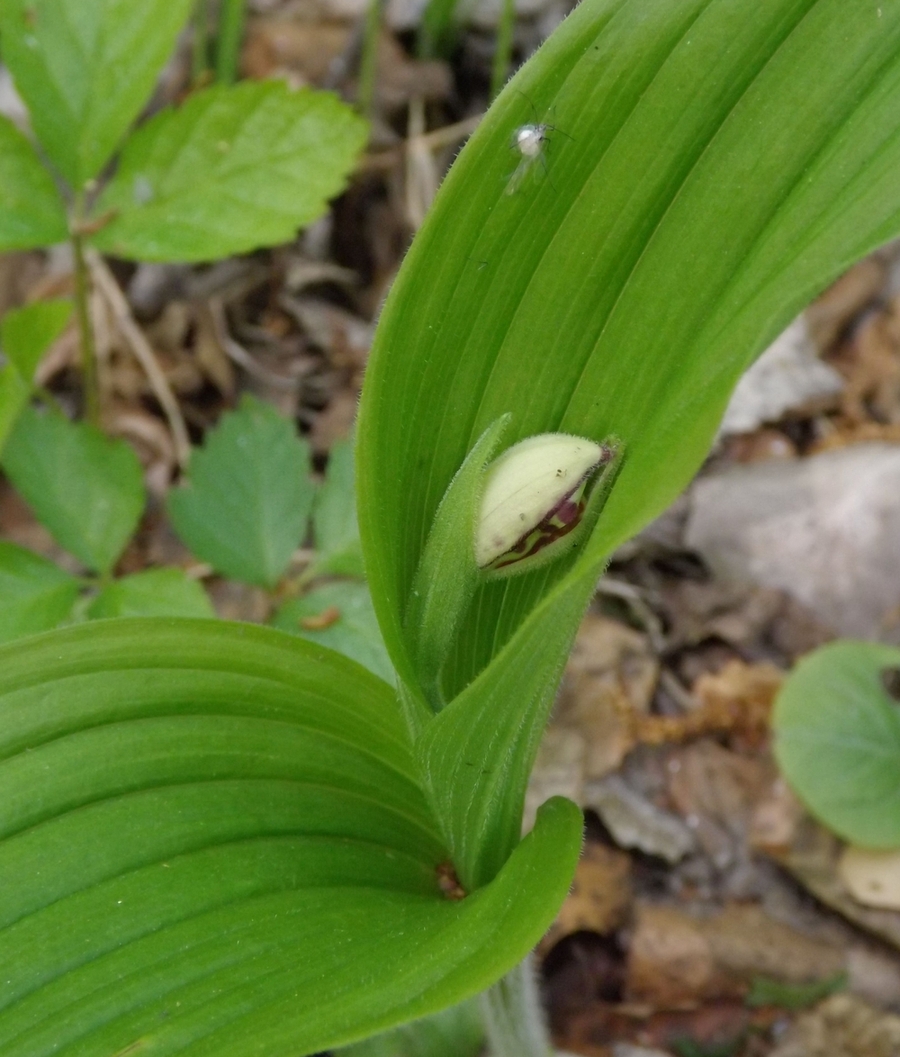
{"x":636,"y":822}
{"x":873,"y":877}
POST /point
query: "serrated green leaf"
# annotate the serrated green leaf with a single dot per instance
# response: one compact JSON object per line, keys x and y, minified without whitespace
{"x":246,"y":504}
{"x":349,"y":625}
{"x":335,"y":528}
{"x":86,"y":68}
{"x":14,"y":394}
{"x":712,"y":165}
{"x":31,"y":210}
{"x":85,"y":487}
{"x":837,"y":741}
{"x":455,"y":1032}
{"x":212,"y":844}
{"x":153,"y":593}
{"x":231,"y":170}
{"x":26,"y":333}
{"x":37,"y":595}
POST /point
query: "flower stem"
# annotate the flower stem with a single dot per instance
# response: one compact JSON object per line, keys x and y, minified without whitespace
{"x":514,"y":1017}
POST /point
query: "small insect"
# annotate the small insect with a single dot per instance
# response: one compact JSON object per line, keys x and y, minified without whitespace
{"x":531,"y":141}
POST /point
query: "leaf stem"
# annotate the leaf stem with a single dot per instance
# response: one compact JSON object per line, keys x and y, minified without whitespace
{"x":514,"y":1016}
{"x":89,"y":381}
{"x":228,"y":43}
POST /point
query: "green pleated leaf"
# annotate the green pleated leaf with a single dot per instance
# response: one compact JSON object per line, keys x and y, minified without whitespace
{"x":707,"y":167}
{"x":27,"y":333}
{"x":86,"y":68}
{"x":837,"y":740}
{"x":85,"y":487}
{"x":153,"y":593}
{"x":212,"y":845}
{"x":31,"y":210}
{"x":231,"y":170}
{"x":246,"y":504}
{"x":36,"y":594}
{"x":716,"y":164}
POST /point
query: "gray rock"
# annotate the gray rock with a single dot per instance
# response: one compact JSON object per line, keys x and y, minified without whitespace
{"x":788,"y":375}
{"x":826,"y":529}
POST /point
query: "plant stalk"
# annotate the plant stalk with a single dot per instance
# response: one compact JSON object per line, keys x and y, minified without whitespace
{"x":89,"y":381}
{"x":503,"y":47}
{"x":200,"y":44}
{"x":368,"y":66}
{"x":228,"y":44}
{"x":514,"y":1016}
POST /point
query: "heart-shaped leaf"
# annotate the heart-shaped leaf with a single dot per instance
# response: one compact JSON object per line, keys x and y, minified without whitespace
{"x":837,"y":740}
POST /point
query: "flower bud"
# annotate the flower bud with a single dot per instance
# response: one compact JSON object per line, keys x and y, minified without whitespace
{"x":534,"y":494}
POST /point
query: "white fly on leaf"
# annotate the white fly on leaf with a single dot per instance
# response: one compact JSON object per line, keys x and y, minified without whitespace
{"x":532,"y":142}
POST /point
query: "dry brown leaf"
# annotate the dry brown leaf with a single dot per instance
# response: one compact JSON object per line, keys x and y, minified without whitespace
{"x":812,"y":859}
{"x":600,"y":897}
{"x":830,"y":313}
{"x":676,"y":959}
{"x":842,"y":1026}
{"x":611,"y":675}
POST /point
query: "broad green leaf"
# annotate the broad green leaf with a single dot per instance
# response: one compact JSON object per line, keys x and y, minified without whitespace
{"x":231,"y":170}
{"x":247,"y":501}
{"x":14,"y":394}
{"x":716,"y":164}
{"x":26,"y":333}
{"x":86,"y":68}
{"x":85,"y":487}
{"x":31,"y":210}
{"x":37,"y":595}
{"x":455,"y":1032}
{"x":335,"y":529}
{"x":212,"y":845}
{"x":837,"y":740}
{"x":153,"y":593}
{"x":340,"y":616}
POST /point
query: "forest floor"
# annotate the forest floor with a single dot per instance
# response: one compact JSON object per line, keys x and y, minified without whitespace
{"x":709,"y":917}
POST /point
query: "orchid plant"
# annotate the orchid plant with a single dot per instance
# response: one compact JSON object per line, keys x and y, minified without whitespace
{"x":219,"y":841}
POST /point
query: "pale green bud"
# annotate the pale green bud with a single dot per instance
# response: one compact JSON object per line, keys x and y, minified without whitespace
{"x":534,"y":494}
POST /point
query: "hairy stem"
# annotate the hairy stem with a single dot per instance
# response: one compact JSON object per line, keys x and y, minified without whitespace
{"x":514,"y":1017}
